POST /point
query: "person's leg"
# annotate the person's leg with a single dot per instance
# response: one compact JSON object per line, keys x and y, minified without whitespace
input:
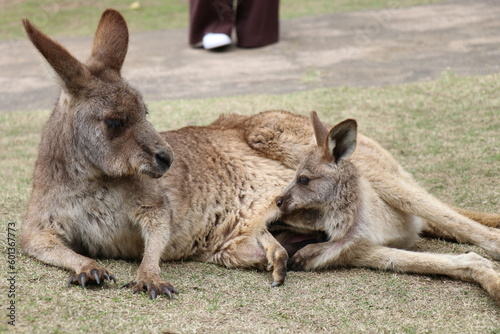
{"x":209,"y":16}
{"x":257,"y":22}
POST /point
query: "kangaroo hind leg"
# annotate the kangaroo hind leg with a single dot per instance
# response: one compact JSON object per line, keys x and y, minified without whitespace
{"x":466,"y":267}
{"x":442,"y":220}
{"x":484,"y":218}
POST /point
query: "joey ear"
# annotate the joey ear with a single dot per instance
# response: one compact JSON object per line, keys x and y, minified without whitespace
{"x":320,"y":130}
{"x":110,"y":42}
{"x":73,"y":73}
{"x":341,"y":140}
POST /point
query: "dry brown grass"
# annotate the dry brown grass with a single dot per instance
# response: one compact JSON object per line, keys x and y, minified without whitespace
{"x":446,"y":132}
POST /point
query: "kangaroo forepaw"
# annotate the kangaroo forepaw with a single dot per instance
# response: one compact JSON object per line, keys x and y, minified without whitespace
{"x":308,"y":258}
{"x":279,"y":275}
{"x":295,"y":264}
{"x":91,"y":276}
{"x":276,"y":283}
{"x":154,"y":288}
{"x":302,"y":260}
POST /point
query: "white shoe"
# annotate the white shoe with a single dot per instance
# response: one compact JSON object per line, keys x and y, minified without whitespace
{"x":212,"y":41}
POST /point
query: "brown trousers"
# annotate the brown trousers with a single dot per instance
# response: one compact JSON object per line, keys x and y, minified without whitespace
{"x":256,"y":21}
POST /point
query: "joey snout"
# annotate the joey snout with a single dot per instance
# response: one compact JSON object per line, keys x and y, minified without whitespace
{"x":283,"y":203}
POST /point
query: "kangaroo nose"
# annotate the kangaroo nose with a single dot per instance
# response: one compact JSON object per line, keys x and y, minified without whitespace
{"x":279,"y":202}
{"x":163,"y":160}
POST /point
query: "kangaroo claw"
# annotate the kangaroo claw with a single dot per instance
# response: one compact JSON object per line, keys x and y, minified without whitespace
{"x":91,"y":276}
{"x":276,"y":283}
{"x":154,"y":289}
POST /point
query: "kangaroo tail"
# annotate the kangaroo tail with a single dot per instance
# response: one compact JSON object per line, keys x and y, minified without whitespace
{"x":487,"y":219}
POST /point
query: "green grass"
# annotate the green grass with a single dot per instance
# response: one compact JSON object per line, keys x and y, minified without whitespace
{"x":73,"y":18}
{"x":444,"y":131}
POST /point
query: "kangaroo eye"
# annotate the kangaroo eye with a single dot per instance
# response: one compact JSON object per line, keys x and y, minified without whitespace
{"x":304,"y":180}
{"x":113,"y":123}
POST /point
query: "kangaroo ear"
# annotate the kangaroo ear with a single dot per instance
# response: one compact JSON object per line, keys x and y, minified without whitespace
{"x":341,"y":140}
{"x":320,"y":130}
{"x":110,"y":42}
{"x":74,"y":74}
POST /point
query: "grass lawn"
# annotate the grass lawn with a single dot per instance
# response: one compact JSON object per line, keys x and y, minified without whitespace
{"x":445,"y":132}
{"x":152,"y":14}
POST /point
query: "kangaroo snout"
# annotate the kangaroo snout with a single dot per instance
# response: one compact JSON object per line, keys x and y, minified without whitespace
{"x":163,"y":158}
{"x":164,"y":161}
{"x":283,"y":203}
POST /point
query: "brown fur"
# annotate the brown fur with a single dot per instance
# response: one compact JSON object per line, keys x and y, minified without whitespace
{"x":351,"y":189}
{"x":99,"y":187}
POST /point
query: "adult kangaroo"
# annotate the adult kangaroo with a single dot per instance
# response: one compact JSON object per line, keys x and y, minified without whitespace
{"x":100,"y":185}
{"x":106,"y":184}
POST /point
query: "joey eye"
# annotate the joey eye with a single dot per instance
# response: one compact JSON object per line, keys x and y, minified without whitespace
{"x":113,"y":123}
{"x":304,"y":180}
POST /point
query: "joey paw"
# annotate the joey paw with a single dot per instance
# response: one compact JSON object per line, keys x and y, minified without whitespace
{"x":307,"y":258}
{"x":295,"y":264}
{"x":299,"y":262}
